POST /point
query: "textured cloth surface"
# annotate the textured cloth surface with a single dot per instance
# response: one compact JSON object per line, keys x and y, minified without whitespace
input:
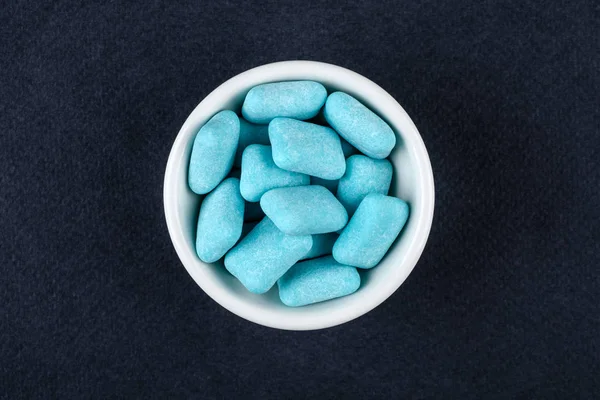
{"x":504,"y":302}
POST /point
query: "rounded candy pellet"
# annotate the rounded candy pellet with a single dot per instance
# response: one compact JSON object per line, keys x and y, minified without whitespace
{"x":260,"y":174}
{"x":295,"y":99}
{"x":220,"y":221}
{"x":264,"y":255}
{"x":364,"y":175}
{"x":250,"y":134}
{"x":360,"y":126}
{"x":317,"y":280}
{"x":304,"y":210}
{"x":213,"y":152}
{"x":371,"y":231}
{"x":322,"y":245}
{"x":307,"y":148}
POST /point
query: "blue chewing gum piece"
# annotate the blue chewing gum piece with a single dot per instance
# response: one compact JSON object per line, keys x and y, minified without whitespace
{"x":360,"y":126}
{"x":264,"y":255}
{"x":368,"y":236}
{"x":213,"y":152}
{"x":307,"y":148}
{"x":363,"y":176}
{"x":304,"y":210}
{"x":330,"y":185}
{"x":296,"y":99}
{"x":260,"y":174}
{"x":317,"y":280}
{"x":322,"y":245}
{"x":250,"y":134}
{"x":220,"y":221}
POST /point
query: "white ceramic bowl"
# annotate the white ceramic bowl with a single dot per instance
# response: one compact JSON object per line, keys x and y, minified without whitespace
{"x":413,"y":182}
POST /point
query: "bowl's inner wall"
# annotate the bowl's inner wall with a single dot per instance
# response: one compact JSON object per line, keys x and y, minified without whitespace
{"x":404,"y":185}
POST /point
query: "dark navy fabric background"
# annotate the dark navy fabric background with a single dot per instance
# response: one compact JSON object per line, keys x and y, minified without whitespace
{"x":504,"y":302}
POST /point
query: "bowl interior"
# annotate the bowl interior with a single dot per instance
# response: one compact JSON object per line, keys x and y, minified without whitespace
{"x":412,"y":182}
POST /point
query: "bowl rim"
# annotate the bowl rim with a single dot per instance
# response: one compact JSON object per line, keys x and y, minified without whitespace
{"x":220,"y":293}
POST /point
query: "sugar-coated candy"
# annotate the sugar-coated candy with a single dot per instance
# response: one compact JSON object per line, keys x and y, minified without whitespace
{"x":360,"y":126}
{"x":371,"y":231}
{"x":317,"y":280}
{"x":363,"y":175}
{"x":264,"y":255}
{"x":307,"y":148}
{"x":294,"y":99}
{"x":296,"y":191}
{"x":260,"y":174}
{"x":304,"y":210}
{"x":213,"y":152}
{"x":220,"y":221}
